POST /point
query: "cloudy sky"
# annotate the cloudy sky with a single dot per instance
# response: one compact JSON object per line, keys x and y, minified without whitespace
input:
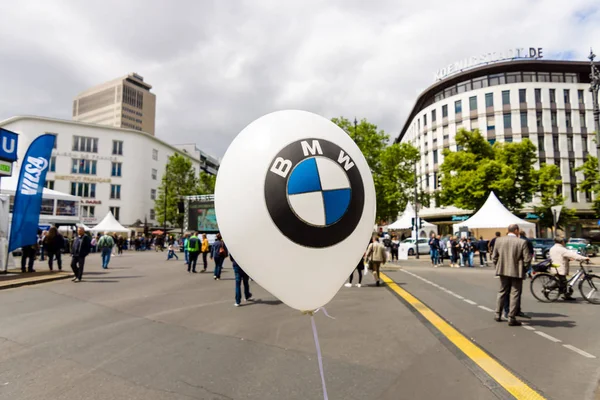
{"x":217,"y":65}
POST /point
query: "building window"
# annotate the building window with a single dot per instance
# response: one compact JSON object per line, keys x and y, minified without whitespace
{"x":155,"y":152}
{"x":458,"y":107}
{"x":49,"y":185}
{"x":433,"y":115}
{"x":507,"y":121}
{"x":52,"y":167}
{"x":523,"y":119}
{"x":505,"y":97}
{"x":115,"y":169}
{"x":555,"y":144}
{"x":115,"y":192}
{"x":83,"y":166}
{"x":116,"y":211}
{"x":538,"y":95}
{"x":117,"y":148}
{"x":541,"y":145}
{"x":491,"y":123}
{"x":81,"y":189}
{"x":568,"y":119}
{"x":522,"y":95}
{"x":88,"y":211}
{"x":584,"y":144}
{"x":567,"y":96}
{"x":496,"y":79}
{"x":489,"y":100}
{"x":445,"y":111}
{"x":424,"y":124}
{"x":85,"y":144}
{"x":154,"y":173}
{"x":473,"y":103}
{"x":152,"y":214}
{"x":435,"y":156}
{"x":543,"y":77}
{"x":573,"y":193}
{"x":538,"y":119}
{"x":554,"y":119}
{"x":508,"y":139}
{"x":552,"y":95}
{"x":569,"y":143}
{"x":588,"y":196}
{"x":582,"y":119}
{"x":580,"y":96}
{"x":152,"y":194}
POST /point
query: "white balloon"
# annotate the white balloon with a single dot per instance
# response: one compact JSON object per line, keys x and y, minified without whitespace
{"x":298,"y":241}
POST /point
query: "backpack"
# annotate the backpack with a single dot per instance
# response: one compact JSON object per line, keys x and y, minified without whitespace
{"x":222,"y":250}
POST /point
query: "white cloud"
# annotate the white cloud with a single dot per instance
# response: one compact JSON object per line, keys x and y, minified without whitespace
{"x":216,"y":66}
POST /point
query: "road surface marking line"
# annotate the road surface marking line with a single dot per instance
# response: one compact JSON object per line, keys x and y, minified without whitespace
{"x":470,"y":302}
{"x":458,"y":296}
{"x":552,"y":338}
{"x":529,"y":328}
{"x":493,"y":368}
{"x":486,"y":308}
{"x":579,"y":351}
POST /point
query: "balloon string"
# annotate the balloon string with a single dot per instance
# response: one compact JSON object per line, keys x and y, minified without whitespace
{"x":319,"y":356}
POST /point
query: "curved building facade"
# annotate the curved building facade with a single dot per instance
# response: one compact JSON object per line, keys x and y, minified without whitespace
{"x":548,"y":102}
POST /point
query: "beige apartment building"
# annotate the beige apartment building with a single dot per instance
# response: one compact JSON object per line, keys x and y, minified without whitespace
{"x":125,"y":102}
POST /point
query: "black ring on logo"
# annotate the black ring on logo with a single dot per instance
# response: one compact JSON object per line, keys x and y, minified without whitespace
{"x":284,"y":217}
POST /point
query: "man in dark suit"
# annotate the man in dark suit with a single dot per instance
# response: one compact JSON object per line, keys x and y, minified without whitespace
{"x":510,"y":256}
{"x":81,"y":248}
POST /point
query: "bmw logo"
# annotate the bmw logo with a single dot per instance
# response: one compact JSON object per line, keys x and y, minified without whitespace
{"x":314,"y":193}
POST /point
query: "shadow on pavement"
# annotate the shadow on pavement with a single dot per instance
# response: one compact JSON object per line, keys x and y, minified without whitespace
{"x":546,"y":315}
{"x":551,"y":324}
{"x":267,"y":302}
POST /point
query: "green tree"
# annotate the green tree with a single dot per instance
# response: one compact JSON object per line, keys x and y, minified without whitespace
{"x":392,"y":166}
{"x":179,"y":180}
{"x":469,"y":175}
{"x":206,"y":184}
{"x":549,"y":181}
{"x":591,"y":181}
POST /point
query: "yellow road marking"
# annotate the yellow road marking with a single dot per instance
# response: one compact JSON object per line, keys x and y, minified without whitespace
{"x":493,"y":368}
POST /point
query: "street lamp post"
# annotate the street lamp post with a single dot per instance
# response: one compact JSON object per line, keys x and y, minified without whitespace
{"x":166,"y":195}
{"x":416,"y":224}
{"x":594,"y":86}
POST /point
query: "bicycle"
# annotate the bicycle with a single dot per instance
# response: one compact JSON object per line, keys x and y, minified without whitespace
{"x":546,"y":287}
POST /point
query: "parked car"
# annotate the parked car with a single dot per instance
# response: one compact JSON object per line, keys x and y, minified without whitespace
{"x":583,"y":247}
{"x":541,"y":247}
{"x":423,"y":246}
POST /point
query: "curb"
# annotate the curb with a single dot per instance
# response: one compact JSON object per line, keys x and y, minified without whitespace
{"x":28,"y":281}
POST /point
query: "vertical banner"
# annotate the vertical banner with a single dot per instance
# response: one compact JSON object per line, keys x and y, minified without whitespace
{"x":4,"y":216}
{"x":28,"y":194}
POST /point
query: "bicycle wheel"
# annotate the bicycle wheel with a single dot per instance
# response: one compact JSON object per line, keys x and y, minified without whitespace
{"x":589,"y":288}
{"x":545,"y":287}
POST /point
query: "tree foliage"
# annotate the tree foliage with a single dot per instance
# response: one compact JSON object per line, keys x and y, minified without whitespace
{"x":206,"y":185}
{"x":468,"y":176}
{"x":549,"y":180}
{"x":392,"y":166}
{"x":179,"y":180}
{"x":591,"y":181}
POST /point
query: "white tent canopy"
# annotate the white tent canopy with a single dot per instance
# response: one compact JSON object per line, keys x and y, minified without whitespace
{"x":494,"y":216}
{"x":405,"y":221}
{"x":66,"y":228}
{"x":109,"y":224}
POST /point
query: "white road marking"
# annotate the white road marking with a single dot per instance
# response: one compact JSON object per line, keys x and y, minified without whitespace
{"x":545,"y":335}
{"x":470,"y":302}
{"x":579,"y":351}
{"x":458,"y":296}
{"x":529,"y":328}
{"x":486,"y":308}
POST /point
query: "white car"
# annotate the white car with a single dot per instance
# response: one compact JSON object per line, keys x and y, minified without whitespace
{"x":423,"y":246}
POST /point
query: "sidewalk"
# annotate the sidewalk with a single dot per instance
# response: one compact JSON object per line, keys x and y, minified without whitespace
{"x":15,"y":278}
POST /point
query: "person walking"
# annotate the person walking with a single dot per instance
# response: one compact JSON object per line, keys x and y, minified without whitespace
{"x":120,"y":243}
{"x":387,"y":243}
{"x":375,"y":257}
{"x":454,"y":252}
{"x":395,"y":247}
{"x":219,"y":254}
{"x":531,"y":251}
{"x":509,"y":256}
{"x":79,"y":251}
{"x":41,"y":240}
{"x":105,"y":245}
{"x":561,"y":256}
{"x":28,"y":257}
{"x":493,"y":243}
{"x":471,"y":248}
{"x":434,"y":248}
{"x":171,"y":252}
{"x":54,"y":243}
{"x":193,"y":248}
{"x":442,"y":249}
{"x":205,"y":250}
{"x":186,"y":253}
{"x":241,"y":277}
{"x":482,"y":247}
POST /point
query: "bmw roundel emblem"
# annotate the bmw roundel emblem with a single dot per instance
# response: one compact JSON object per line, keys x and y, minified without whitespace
{"x":314,"y":193}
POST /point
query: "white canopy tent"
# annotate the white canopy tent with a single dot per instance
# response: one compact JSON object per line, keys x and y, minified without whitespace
{"x":65,"y":228}
{"x":493,"y":217}
{"x":109,"y":224}
{"x":405,"y":223}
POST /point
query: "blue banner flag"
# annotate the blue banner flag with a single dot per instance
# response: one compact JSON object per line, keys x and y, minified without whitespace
{"x":28,"y":195}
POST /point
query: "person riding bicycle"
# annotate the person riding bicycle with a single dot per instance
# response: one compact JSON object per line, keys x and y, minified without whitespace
{"x":561,"y":256}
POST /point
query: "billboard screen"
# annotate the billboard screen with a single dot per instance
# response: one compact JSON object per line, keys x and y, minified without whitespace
{"x":202,"y":217}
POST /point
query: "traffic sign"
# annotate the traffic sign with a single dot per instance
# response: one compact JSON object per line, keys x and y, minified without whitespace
{"x":8,"y":145}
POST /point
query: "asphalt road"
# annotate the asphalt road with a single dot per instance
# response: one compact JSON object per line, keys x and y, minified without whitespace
{"x":146,"y":329}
